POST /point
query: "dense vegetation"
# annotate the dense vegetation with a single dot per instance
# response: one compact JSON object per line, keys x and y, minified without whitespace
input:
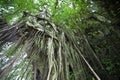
{"x":59,"y":40}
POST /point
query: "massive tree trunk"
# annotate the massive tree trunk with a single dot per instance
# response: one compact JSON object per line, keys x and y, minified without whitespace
{"x":56,"y":53}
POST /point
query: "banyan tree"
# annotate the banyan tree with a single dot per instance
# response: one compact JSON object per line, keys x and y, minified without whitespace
{"x":45,"y":40}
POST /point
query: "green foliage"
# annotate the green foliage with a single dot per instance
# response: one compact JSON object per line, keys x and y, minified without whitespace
{"x":11,"y":9}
